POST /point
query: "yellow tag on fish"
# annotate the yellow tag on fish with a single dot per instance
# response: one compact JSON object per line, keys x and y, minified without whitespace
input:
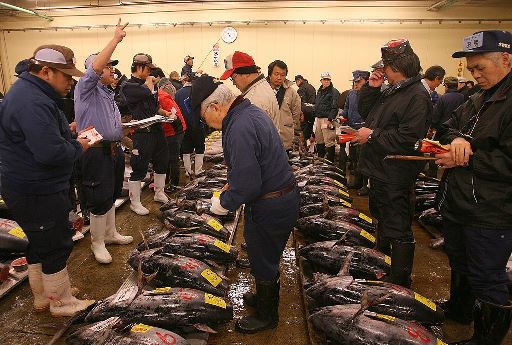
{"x":367,"y":235}
{"x":365,"y":217}
{"x":345,"y":203}
{"x":440,"y":342}
{"x":216,"y":194}
{"x":211,"y":276}
{"x":141,"y":328}
{"x":215,"y":224}
{"x":214,"y":300}
{"x":385,"y":317}
{"x":162,"y":290}
{"x":342,"y":192}
{"x":425,"y":301}
{"x":338,"y":183}
{"x":18,"y":232}
{"x":224,"y":246}
{"x":387,"y":260}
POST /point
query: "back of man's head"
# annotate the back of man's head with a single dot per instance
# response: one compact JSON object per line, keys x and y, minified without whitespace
{"x":434,"y":72}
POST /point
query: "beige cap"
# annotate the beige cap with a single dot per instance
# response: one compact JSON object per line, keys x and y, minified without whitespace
{"x":59,"y":57}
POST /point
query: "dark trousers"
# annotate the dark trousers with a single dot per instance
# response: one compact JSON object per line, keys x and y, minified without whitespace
{"x":481,"y":255}
{"x":174,"y":147}
{"x":307,"y":129}
{"x":193,"y":140}
{"x":148,"y":147}
{"x":393,"y":207}
{"x":102,"y":177}
{"x":268,"y":224}
{"x":45,"y":221}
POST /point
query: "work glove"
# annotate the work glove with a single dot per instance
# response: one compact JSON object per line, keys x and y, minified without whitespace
{"x":216,"y":207}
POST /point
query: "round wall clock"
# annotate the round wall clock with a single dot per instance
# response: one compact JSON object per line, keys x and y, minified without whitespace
{"x":229,"y":34}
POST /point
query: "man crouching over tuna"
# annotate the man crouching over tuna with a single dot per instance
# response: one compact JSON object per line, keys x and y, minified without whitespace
{"x":260,"y":177}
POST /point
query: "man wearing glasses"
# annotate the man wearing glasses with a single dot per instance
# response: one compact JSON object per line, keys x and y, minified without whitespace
{"x":395,"y":119}
{"x":260,"y":177}
{"x":102,"y":166}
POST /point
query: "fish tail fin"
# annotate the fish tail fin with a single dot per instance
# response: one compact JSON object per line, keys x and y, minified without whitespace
{"x":344,"y":271}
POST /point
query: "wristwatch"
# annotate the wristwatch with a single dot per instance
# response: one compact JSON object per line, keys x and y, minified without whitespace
{"x":369,"y":138}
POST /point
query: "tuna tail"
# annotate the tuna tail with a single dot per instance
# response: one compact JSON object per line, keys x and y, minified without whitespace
{"x":144,"y":240}
{"x":77,"y":318}
{"x":344,"y":271}
{"x":325,"y":204}
{"x":204,"y":328}
{"x":142,"y":279}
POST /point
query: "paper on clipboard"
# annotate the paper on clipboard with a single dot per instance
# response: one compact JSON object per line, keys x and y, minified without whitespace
{"x":91,"y":134}
{"x":147,"y":122}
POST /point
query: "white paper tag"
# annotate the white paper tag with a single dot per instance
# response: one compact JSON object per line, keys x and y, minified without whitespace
{"x":473,"y":41}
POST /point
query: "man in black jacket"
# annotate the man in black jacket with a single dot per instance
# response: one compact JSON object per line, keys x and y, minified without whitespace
{"x":307,"y":94}
{"x":326,"y":110}
{"x":447,"y":103}
{"x":396,"y":119}
{"x":475,"y":194}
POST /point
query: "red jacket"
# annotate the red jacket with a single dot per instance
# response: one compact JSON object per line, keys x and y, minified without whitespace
{"x":167,"y":103}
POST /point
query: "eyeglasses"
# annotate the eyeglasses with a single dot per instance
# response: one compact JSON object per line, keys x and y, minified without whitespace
{"x":206,"y":109}
{"x":233,"y":77}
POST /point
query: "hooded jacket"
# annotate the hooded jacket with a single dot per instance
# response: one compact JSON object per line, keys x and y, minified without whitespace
{"x":168,"y":104}
{"x":481,"y":194}
{"x":36,"y":146}
{"x":261,"y":95}
{"x":399,"y":116}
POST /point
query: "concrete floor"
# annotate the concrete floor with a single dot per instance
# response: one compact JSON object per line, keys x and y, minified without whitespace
{"x":21,"y":326}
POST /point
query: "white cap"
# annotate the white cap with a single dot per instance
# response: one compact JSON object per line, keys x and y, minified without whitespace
{"x":325,"y":75}
{"x":461,"y":80}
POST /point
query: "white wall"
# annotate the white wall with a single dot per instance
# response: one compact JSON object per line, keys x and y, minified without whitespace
{"x":308,"y":48}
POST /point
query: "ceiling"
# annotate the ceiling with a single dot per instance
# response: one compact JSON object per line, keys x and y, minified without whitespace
{"x":46,"y":6}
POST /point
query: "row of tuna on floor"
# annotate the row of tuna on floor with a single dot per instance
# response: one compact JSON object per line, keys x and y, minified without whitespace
{"x":348,"y":302}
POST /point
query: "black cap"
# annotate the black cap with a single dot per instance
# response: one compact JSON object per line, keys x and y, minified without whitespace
{"x":393,"y":50}
{"x":202,"y":88}
{"x":358,"y":75}
{"x":298,"y":76}
{"x":21,"y":67}
{"x":488,"y":41}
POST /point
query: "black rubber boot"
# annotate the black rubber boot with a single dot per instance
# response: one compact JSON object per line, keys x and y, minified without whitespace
{"x":250,"y":297}
{"x":491,"y":326}
{"x":330,"y":152}
{"x":402,"y":257}
{"x":383,"y":245}
{"x":459,"y":307}
{"x":364,"y":190}
{"x":267,"y":306}
{"x":357,"y":182}
{"x":320,"y":150}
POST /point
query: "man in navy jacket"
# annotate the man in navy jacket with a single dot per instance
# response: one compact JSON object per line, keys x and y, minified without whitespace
{"x":38,"y":153}
{"x":260,"y":177}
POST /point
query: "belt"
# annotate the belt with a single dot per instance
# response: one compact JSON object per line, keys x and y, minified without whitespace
{"x":108,"y":146}
{"x":278,"y":193}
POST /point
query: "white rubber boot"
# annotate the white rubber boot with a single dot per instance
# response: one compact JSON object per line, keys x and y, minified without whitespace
{"x":135,"y":205}
{"x":98,"y":229}
{"x":159,"y":185}
{"x":198,"y":166}
{"x":35,"y":279}
{"x":111,"y":235}
{"x":57,"y":288}
{"x":187,"y":163}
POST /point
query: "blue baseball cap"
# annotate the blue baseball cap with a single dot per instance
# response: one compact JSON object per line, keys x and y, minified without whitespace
{"x":488,"y":41}
{"x":358,"y":75}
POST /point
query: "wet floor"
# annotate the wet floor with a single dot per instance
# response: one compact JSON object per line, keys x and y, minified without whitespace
{"x":21,"y":326}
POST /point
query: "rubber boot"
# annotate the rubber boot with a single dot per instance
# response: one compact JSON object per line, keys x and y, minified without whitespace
{"x":159,"y":185}
{"x":250,"y":297}
{"x":267,"y":309}
{"x":364,"y":190}
{"x":98,"y":229}
{"x":383,"y":244}
{"x":187,"y":163}
{"x":320,"y":149}
{"x":57,"y":288}
{"x":330,"y":152}
{"x":135,"y":204}
{"x":459,"y":307}
{"x":402,"y":257}
{"x":492,"y":322}
{"x":111,"y":234}
{"x":35,"y":279}
{"x":198,"y":164}
{"x":357,"y":182}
